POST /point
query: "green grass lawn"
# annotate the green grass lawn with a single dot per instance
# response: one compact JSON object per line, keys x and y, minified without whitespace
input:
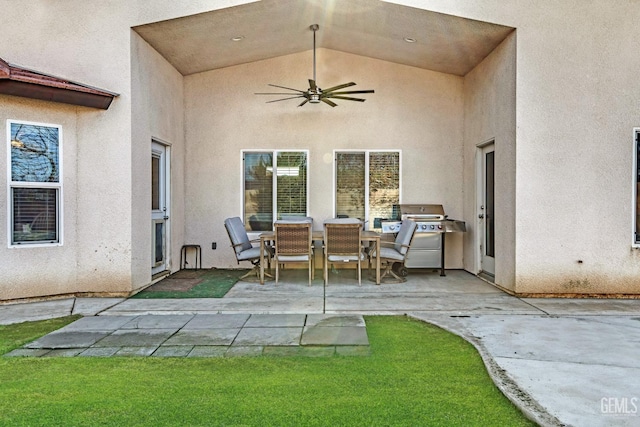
{"x":417,"y":375}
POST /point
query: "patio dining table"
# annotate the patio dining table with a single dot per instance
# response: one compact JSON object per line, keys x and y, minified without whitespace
{"x":318,"y":235}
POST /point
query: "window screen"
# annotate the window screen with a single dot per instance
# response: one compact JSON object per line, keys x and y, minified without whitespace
{"x":384,"y":184}
{"x":34,"y":215}
{"x":350,"y":185}
{"x":367,"y":185}
{"x":258,"y":191}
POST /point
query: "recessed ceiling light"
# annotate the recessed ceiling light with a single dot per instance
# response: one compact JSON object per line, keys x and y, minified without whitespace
{"x":237,"y":38}
{"x":409,"y":39}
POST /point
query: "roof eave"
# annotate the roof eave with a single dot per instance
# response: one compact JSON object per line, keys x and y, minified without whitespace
{"x":20,"y":81}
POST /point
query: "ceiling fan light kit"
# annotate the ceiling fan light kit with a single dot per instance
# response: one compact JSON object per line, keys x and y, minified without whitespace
{"x":315,"y":95}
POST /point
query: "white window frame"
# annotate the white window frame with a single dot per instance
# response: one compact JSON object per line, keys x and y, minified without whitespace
{"x":366,"y":178}
{"x":635,"y":238}
{"x":58,"y":186}
{"x":274,"y":177}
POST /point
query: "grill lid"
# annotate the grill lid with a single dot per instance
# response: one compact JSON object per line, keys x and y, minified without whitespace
{"x":422,"y":212}
{"x":427,"y":215}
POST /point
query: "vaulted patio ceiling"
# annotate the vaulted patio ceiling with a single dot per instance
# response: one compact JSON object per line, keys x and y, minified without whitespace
{"x":372,"y":28}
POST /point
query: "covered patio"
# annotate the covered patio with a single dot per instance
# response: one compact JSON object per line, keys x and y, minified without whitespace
{"x":424,"y":291}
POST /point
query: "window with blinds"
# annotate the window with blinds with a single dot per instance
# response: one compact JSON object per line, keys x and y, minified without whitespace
{"x":35,"y":185}
{"x":367,"y":185}
{"x":291,"y":184}
{"x":275,"y":185}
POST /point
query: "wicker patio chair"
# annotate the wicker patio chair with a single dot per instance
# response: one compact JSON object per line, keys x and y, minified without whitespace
{"x":293,"y":244}
{"x":342,"y":244}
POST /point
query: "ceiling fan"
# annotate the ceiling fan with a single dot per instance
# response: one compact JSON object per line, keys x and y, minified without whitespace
{"x":315,"y":95}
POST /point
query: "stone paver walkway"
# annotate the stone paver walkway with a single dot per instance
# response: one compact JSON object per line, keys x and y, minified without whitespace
{"x":205,"y":335}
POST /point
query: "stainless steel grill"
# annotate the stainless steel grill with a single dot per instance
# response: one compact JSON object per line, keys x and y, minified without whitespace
{"x":427,"y":246}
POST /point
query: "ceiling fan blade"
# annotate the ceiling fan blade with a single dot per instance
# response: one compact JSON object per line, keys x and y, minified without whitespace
{"x":284,"y":99}
{"x":303,"y":102}
{"x":312,"y":84}
{"x":348,"y":98}
{"x":331,"y":89}
{"x":288,"y":88}
{"x":274,"y":93}
{"x":352,"y":91}
{"x":326,"y":101}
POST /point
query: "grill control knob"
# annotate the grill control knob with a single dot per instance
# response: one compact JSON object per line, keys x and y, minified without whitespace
{"x":433,"y":226}
{"x":424,"y":226}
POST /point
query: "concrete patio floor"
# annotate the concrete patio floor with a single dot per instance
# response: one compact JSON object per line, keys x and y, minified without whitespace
{"x":562,"y":361}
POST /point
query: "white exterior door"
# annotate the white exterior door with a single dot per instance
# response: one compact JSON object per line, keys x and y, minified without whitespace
{"x":159,"y":207}
{"x":486,"y":210}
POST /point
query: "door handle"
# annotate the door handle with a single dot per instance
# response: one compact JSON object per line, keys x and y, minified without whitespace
{"x":481,"y":216}
{"x":165,"y":217}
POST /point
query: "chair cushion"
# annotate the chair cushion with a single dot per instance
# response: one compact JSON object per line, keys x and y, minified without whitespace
{"x":295,"y":218}
{"x":293,"y":258}
{"x":294,"y":221}
{"x":391,"y":253}
{"x":252,"y":254}
{"x":403,"y":239}
{"x":343,"y":258}
{"x":238,"y":234}
{"x":343,"y":221}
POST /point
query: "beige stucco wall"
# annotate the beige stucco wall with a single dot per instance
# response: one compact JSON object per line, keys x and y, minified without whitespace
{"x":106,"y":220}
{"x":490,"y":115}
{"x":28,"y":270}
{"x":94,"y":256}
{"x":577,"y":104}
{"x":157,"y":96}
{"x":416,"y":111}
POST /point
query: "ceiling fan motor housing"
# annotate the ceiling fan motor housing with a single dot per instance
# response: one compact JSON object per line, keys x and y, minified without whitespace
{"x":314,"y":95}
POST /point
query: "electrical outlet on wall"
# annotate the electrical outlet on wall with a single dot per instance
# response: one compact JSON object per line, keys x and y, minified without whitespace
{"x":214,"y":245}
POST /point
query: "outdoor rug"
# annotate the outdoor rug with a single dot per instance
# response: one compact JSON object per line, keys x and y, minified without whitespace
{"x":204,"y":283}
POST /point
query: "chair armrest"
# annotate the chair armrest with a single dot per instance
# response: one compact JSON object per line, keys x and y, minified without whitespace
{"x":370,"y":252}
{"x":391,"y":244}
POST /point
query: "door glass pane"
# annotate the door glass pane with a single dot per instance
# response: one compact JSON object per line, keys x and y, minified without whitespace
{"x":258,"y":191}
{"x":637,"y":235}
{"x":35,"y":215}
{"x":159,"y":242}
{"x":350,"y":185}
{"x":291,"y":177}
{"x":490,"y":205}
{"x":155,"y":183}
{"x":384,"y":185}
